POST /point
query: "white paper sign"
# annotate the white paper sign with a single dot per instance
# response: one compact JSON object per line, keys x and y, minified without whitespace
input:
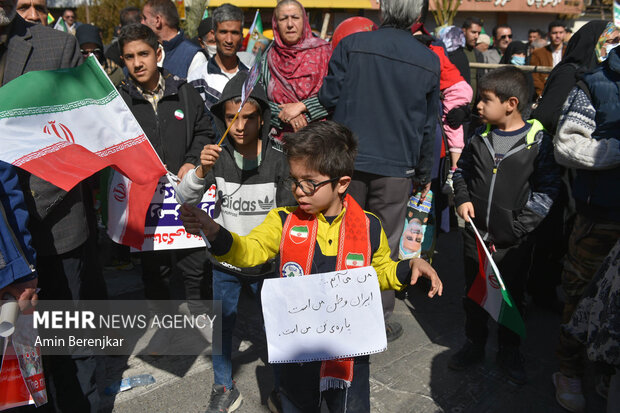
{"x":323,"y":316}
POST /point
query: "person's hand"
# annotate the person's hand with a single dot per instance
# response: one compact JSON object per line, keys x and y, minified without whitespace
{"x":208,"y":157}
{"x":25,"y":293}
{"x":457,"y":116}
{"x":422,"y":189}
{"x":184,"y":169}
{"x":299,"y":122}
{"x":466,"y":210}
{"x":421,"y":268}
{"x":196,"y":220}
{"x":289,"y":111}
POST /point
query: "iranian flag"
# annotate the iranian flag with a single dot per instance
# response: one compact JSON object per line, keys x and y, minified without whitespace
{"x":489,"y":291}
{"x":354,"y":260}
{"x":255,"y":32}
{"x":65,"y":125}
{"x":299,"y":233}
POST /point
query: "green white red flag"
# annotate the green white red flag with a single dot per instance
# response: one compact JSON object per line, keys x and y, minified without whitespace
{"x":65,"y":125}
{"x":489,"y":291}
{"x":255,"y":32}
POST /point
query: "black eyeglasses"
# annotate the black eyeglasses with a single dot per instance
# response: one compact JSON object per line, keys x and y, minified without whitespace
{"x":307,"y":186}
{"x":506,"y":36}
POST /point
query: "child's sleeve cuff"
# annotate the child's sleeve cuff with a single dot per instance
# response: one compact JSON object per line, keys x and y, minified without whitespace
{"x":222,"y":243}
{"x":403,"y":273}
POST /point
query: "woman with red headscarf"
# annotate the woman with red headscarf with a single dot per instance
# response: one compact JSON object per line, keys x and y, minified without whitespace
{"x":293,"y":70}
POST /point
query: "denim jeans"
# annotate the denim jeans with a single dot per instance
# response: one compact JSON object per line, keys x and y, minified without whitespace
{"x":227,"y":287}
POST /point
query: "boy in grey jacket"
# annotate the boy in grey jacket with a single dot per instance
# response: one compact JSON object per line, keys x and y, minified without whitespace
{"x":249,"y":179}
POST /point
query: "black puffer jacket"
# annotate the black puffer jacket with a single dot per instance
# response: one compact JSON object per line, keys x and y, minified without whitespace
{"x":179,"y":111}
{"x":513,"y":193}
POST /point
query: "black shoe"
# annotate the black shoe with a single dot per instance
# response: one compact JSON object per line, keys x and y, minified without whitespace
{"x":510,"y":360}
{"x":393,"y":330}
{"x":467,"y":356}
{"x":274,"y":403}
{"x":224,"y":400}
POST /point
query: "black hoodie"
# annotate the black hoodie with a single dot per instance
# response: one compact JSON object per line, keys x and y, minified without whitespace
{"x":243,"y":197}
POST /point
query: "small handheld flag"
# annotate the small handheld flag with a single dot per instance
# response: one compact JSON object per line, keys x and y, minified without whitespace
{"x":489,"y":291}
{"x":256,"y":30}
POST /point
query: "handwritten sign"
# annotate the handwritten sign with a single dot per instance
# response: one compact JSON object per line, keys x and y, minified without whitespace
{"x":323,"y":316}
{"x":163,"y":229}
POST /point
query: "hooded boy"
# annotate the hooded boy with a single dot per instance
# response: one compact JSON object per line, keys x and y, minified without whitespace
{"x":249,"y":176}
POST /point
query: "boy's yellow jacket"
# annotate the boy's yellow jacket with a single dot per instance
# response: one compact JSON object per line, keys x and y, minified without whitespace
{"x":263,"y":243}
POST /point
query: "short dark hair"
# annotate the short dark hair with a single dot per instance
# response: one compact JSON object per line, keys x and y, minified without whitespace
{"x":500,"y":26}
{"x":327,"y":147}
{"x":237,"y":99}
{"x":506,"y":82}
{"x":137,"y":31}
{"x":471,"y":21}
{"x":556,"y":23}
{"x":130,"y":15}
{"x":530,"y":31}
{"x":167,"y":9}
{"x":227,"y":12}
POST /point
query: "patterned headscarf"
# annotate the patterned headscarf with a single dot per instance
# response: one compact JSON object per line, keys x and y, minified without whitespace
{"x":609,"y":32}
{"x":297,"y":71}
{"x":452,"y":37}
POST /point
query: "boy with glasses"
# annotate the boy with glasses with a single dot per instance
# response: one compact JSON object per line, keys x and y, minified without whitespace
{"x":321,"y":159}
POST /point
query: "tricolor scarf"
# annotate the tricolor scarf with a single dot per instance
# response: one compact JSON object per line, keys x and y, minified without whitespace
{"x":296,"y":255}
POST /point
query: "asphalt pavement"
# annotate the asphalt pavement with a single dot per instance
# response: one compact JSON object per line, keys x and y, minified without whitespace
{"x":411,"y":376}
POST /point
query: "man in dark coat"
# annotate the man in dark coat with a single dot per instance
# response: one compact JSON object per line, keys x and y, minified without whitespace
{"x":62,"y":223}
{"x":369,"y":88}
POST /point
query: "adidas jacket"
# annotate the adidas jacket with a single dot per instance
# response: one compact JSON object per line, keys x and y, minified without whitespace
{"x":243,"y":198}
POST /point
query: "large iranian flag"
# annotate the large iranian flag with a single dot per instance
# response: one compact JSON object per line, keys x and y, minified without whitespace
{"x":489,"y":291}
{"x":64,"y":125}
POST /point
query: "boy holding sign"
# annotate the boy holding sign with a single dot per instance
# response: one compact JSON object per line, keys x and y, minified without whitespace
{"x":328,"y":231}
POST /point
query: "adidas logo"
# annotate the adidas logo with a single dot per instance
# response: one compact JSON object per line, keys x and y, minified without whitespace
{"x":266,"y":204}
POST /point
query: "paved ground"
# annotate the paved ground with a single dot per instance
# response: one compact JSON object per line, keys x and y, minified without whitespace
{"x":411,"y":376}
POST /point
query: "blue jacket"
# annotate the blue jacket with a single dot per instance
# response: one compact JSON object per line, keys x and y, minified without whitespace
{"x":598,"y":192}
{"x":384,"y":86}
{"x":179,"y":54}
{"x":17,"y":257}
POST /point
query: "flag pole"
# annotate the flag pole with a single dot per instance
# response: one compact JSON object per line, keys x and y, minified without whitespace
{"x":229,"y":126}
{"x":171,"y":179}
{"x":486,"y":251}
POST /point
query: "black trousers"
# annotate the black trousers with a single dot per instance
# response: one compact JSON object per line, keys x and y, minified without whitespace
{"x":386,"y":197}
{"x":75,"y":275}
{"x":177,"y":275}
{"x":514,"y":265}
{"x":300,"y":384}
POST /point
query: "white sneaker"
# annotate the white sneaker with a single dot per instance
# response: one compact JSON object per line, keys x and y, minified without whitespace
{"x":568,"y":393}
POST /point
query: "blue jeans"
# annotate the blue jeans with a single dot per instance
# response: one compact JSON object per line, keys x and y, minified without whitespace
{"x":227,"y":287}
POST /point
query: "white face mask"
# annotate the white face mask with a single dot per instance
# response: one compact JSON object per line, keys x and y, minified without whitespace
{"x":609,"y":48}
{"x":211,"y":50}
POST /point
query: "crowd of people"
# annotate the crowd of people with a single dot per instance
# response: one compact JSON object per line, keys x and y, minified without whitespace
{"x":336,"y":139}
